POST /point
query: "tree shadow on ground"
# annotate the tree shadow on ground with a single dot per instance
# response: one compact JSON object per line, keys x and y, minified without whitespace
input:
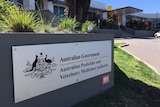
{"x":125,"y":93}
{"x":143,"y":95}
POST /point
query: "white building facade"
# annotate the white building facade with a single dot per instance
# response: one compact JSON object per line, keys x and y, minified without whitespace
{"x":57,"y":8}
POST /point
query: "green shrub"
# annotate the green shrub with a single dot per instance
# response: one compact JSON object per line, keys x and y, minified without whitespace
{"x":3,"y":6}
{"x":86,"y":25}
{"x":68,"y":23}
{"x":17,"y":19}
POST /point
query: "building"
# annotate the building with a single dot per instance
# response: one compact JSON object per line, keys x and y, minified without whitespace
{"x":97,"y":10}
{"x":57,"y":7}
{"x":154,"y":18}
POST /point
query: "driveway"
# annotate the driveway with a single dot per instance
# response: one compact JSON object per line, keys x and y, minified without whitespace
{"x":146,"y":50}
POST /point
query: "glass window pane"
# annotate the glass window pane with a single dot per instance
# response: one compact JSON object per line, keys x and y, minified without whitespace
{"x":61,"y":10}
{"x":55,"y":10}
{"x":13,"y":1}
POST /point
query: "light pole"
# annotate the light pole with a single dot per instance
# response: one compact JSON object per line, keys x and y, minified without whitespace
{"x":156,"y":19}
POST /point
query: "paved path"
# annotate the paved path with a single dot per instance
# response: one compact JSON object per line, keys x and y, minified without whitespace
{"x":147,"y":50}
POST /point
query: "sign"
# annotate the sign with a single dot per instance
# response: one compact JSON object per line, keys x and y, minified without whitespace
{"x":90,"y":28}
{"x":39,"y":69}
{"x":109,"y":8}
{"x":106,"y":79}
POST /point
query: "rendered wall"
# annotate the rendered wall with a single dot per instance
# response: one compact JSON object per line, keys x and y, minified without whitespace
{"x":64,"y":97}
{"x":29,"y":4}
{"x":50,"y":6}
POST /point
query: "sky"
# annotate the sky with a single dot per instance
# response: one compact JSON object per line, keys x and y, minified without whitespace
{"x":148,"y":6}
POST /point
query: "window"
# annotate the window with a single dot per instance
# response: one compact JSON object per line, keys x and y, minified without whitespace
{"x":13,"y":1}
{"x":61,"y":10}
{"x":18,"y":2}
{"x":58,"y":11}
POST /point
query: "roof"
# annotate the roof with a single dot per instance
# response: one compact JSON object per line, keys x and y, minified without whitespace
{"x":100,"y":6}
{"x":143,"y":15}
{"x":96,"y":9}
{"x":126,"y":10}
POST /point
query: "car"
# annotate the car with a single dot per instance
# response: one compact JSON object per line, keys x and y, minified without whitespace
{"x":157,"y":34}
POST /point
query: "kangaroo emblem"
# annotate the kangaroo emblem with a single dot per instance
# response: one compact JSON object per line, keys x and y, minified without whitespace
{"x":34,"y":64}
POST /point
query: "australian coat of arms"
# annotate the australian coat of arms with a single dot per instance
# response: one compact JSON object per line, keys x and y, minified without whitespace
{"x":40,"y":67}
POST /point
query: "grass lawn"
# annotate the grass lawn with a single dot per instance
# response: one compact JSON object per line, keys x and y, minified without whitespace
{"x":136,"y":85}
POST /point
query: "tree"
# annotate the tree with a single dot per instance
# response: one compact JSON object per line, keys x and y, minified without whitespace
{"x":78,"y":9}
